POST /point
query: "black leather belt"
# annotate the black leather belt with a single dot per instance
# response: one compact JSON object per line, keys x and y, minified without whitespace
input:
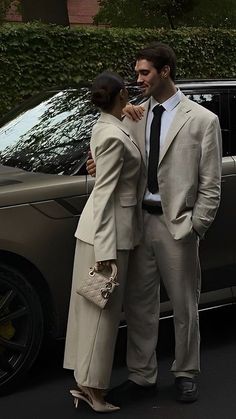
{"x":153,"y":209}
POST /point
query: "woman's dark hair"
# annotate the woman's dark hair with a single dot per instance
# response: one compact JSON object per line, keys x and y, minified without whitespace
{"x":105,"y":88}
{"x":159,"y":55}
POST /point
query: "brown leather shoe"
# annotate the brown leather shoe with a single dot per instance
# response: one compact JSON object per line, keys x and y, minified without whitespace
{"x":187,"y":389}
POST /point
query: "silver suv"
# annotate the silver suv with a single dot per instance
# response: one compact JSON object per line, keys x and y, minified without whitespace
{"x":43,"y":189}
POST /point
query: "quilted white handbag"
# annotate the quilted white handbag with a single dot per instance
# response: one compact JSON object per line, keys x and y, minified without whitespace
{"x":99,"y":285}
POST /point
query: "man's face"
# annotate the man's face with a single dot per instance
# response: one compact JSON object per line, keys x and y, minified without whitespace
{"x":149,"y":80}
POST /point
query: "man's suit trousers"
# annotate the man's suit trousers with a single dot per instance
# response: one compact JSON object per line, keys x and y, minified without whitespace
{"x":176,"y":262}
{"x":92,"y":332}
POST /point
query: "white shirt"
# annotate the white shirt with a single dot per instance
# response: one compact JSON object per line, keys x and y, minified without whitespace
{"x":166,"y":120}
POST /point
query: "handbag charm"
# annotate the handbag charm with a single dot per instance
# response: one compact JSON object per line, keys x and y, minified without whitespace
{"x":99,"y":285}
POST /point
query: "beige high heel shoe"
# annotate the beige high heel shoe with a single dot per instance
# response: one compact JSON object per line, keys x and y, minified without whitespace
{"x":87,"y":396}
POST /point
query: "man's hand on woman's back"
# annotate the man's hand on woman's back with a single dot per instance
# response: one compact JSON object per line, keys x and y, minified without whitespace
{"x":90,"y":165}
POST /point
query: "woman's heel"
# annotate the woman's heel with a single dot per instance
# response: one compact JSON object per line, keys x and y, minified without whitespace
{"x":86,"y":394}
{"x":76,"y":394}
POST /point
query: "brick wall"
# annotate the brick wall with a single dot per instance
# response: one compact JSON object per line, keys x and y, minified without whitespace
{"x":80,"y":12}
{"x":13,"y":15}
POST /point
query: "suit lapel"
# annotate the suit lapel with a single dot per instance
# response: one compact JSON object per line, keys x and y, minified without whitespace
{"x":141,"y":132}
{"x":181,"y":117}
{"x":138,"y":131}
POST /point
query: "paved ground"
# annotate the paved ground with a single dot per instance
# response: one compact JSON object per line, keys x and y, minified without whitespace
{"x":45,"y":394}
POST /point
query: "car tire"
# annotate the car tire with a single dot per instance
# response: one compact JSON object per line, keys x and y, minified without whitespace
{"x":21,"y":327}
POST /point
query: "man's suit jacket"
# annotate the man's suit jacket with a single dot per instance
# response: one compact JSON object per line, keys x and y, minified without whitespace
{"x":112,"y":217}
{"x":189,"y":170}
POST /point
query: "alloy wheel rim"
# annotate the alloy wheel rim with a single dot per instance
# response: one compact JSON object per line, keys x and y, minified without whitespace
{"x":15,"y":330}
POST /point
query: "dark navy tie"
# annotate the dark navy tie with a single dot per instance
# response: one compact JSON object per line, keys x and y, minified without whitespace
{"x":154,"y":148}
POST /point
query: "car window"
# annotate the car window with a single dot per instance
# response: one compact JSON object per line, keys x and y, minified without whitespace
{"x":50,"y":133}
{"x":51,"y":137}
{"x":210,"y":101}
{"x":213,"y":101}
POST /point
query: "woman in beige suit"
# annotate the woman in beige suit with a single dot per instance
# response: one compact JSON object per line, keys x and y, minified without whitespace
{"x":109,"y":227}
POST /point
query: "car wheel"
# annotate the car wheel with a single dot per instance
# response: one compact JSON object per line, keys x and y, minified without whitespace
{"x":21,"y":326}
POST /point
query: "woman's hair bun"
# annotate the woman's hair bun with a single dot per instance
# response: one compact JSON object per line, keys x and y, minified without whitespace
{"x":100,"y":98}
{"x":105,"y":88}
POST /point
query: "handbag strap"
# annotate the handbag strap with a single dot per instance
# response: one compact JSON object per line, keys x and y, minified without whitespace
{"x":113,"y":271}
{"x":113,"y":275}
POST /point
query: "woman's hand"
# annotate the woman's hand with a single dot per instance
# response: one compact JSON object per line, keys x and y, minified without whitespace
{"x":99,"y":266}
{"x":134,"y":112}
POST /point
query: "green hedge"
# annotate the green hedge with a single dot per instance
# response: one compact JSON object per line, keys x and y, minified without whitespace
{"x":34,"y":57}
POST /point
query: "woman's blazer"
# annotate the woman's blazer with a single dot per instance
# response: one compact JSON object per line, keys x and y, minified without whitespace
{"x":112,"y":216}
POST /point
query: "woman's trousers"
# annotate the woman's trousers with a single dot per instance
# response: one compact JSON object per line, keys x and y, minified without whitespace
{"x":91,"y":331}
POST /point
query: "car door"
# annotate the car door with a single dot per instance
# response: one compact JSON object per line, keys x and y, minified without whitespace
{"x":217,"y":249}
{"x":232,"y":125}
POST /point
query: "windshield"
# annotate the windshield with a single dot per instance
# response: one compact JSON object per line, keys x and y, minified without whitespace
{"x":49,"y":134}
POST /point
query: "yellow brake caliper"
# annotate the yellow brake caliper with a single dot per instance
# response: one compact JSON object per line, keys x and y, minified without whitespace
{"x":7,"y":329}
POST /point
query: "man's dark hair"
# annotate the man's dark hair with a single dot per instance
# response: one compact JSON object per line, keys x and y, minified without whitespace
{"x":160,"y":55}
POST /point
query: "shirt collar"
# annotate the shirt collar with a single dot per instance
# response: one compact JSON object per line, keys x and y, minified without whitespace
{"x":170,"y":103}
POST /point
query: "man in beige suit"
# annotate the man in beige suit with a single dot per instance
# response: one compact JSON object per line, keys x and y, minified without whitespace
{"x":177,"y":213}
{"x":183,"y":176}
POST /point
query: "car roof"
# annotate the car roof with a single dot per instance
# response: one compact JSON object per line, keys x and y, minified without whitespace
{"x":206,"y":83}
